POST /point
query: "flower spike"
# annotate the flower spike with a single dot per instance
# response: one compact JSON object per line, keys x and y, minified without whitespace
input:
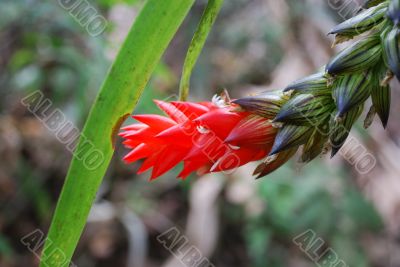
{"x":313,"y":115}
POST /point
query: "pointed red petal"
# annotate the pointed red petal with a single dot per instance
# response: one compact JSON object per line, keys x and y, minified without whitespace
{"x":209,"y":105}
{"x":178,"y":135}
{"x":171,"y":111}
{"x":156,"y":122}
{"x":141,"y":151}
{"x":191,"y":110}
{"x":191,"y":166}
{"x":219,"y":121}
{"x":167,"y":159}
{"x":253,"y":131}
{"x":133,"y":127}
{"x":128,"y":143}
{"x":234,"y":159}
{"x":148,"y":163}
{"x":207,"y":146}
{"x":145,"y":135}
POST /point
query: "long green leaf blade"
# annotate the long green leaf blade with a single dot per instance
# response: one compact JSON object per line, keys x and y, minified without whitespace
{"x":140,"y":53}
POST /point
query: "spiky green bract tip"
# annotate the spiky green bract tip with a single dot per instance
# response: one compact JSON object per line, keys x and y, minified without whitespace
{"x":273,"y":162}
{"x":315,"y":83}
{"x":360,"y":56}
{"x":306,"y":109}
{"x":391,"y":49}
{"x":265,"y":104}
{"x":315,"y":144}
{"x":351,"y":90}
{"x":340,"y":128}
{"x":393,"y":12}
{"x":371,"y":3}
{"x":362,"y":22}
{"x":290,"y":136}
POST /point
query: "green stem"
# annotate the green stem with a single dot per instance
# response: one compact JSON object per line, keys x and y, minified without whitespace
{"x":147,"y":40}
{"x":196,"y":46}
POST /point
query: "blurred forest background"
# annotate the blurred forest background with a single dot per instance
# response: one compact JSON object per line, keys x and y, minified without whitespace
{"x":234,"y":220}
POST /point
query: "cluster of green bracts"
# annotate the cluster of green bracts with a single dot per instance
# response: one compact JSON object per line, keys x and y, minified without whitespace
{"x":318,"y":112}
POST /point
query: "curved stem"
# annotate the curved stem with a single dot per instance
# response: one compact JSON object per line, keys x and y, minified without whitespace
{"x":196,"y":46}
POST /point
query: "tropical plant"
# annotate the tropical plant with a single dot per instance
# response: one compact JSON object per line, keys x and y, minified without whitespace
{"x":316,"y":112}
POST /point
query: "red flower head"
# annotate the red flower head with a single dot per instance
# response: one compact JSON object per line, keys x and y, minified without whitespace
{"x":206,"y":136}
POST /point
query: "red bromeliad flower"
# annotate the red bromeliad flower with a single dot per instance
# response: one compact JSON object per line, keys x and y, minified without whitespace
{"x":206,"y":136}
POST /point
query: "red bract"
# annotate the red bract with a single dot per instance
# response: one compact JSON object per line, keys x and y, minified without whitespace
{"x":206,"y":137}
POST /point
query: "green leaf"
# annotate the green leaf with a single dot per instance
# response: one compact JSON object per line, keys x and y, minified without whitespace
{"x":147,"y":40}
{"x":207,"y":21}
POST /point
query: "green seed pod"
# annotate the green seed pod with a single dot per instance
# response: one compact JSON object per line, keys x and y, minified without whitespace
{"x":362,"y":22}
{"x":393,"y":12}
{"x":290,"y":136}
{"x":371,"y":3}
{"x":315,"y":83}
{"x":266,"y":104}
{"x":391,"y":50}
{"x":314,"y":146}
{"x":274,"y":162}
{"x":340,"y":129}
{"x":306,"y":109}
{"x":380,"y":95}
{"x":352,"y":90}
{"x":357,"y":57}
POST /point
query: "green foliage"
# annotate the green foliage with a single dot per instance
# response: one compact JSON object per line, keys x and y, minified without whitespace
{"x":335,"y":211}
{"x":52,"y":53}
